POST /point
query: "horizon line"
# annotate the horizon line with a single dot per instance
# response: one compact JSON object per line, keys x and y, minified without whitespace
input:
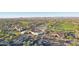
{"x":44,"y":17}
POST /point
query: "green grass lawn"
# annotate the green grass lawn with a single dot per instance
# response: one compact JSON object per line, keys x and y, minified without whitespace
{"x":64,"y":26}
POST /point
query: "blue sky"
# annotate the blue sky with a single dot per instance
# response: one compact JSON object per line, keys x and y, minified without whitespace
{"x":38,"y":14}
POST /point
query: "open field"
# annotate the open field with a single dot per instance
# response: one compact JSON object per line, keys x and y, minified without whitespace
{"x":39,"y":31}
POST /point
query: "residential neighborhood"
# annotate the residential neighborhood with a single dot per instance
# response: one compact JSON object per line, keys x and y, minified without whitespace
{"x":39,"y":31}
